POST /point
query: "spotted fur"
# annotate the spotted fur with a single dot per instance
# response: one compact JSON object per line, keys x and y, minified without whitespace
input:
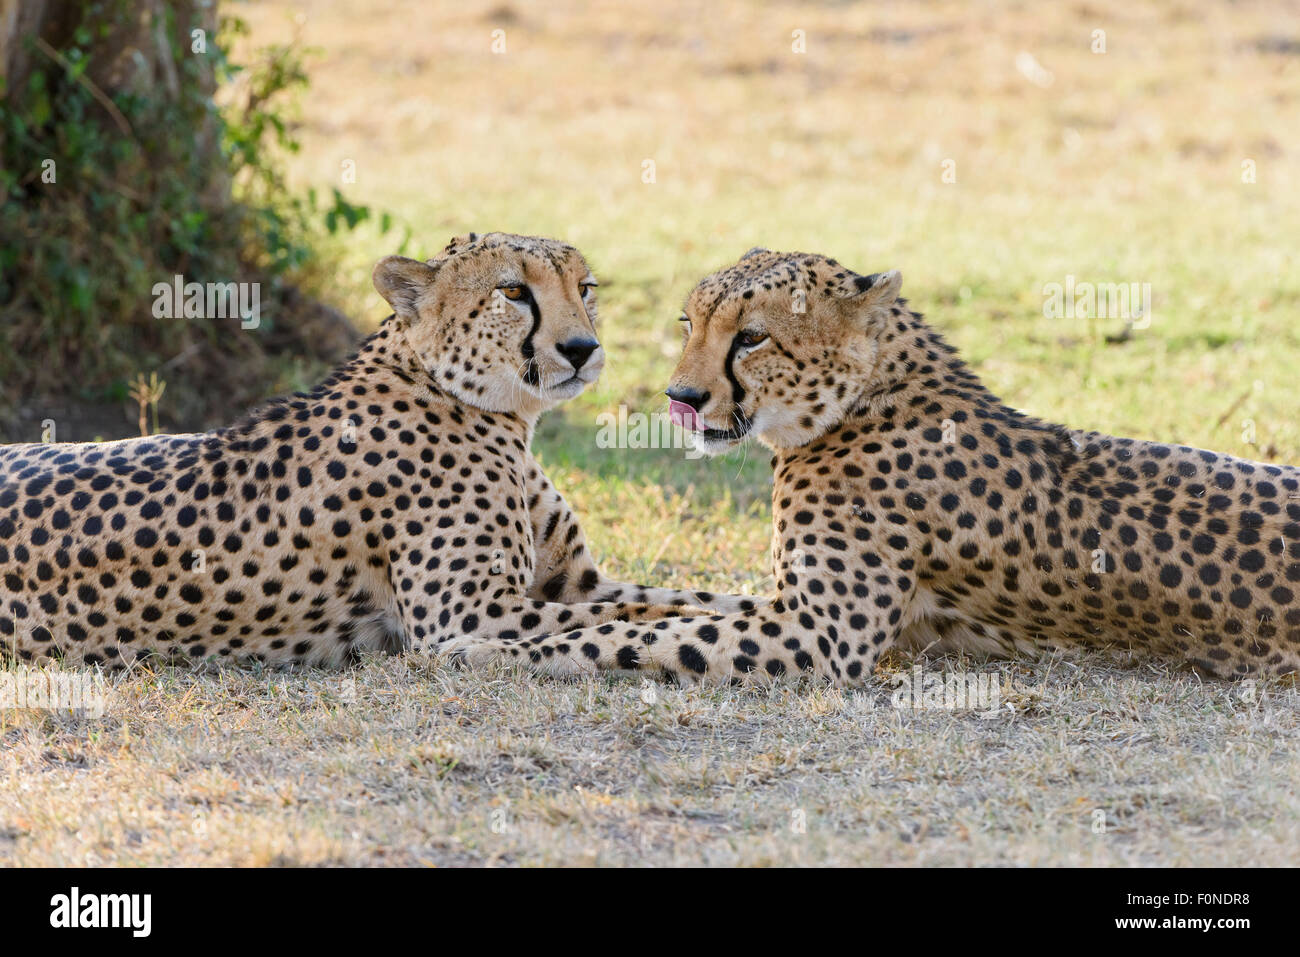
{"x":395,"y":505}
{"x":913,"y":508}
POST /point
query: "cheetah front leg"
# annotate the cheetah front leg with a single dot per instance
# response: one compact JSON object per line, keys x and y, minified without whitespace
{"x":754,"y":645}
{"x":429,"y":626}
{"x":437,"y":598}
{"x":566,"y":572}
{"x":698,"y":647}
{"x":820,"y":624}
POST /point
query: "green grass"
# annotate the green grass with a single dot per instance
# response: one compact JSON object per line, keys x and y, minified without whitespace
{"x":1126,"y":169}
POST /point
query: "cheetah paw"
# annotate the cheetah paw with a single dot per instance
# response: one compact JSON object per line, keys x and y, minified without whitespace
{"x":472,"y":652}
{"x":479,"y":653}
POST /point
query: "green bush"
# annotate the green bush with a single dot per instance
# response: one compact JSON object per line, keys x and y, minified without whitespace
{"x":105,"y":193}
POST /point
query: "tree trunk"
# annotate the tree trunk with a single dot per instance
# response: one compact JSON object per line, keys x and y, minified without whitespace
{"x":134,"y":56}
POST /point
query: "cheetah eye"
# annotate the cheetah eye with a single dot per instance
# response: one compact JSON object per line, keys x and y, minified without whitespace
{"x":586,"y":287}
{"x":514,"y":293}
{"x":750,"y":338}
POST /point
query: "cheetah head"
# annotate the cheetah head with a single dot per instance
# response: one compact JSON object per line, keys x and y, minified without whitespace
{"x":503,"y":322}
{"x":779,"y":345}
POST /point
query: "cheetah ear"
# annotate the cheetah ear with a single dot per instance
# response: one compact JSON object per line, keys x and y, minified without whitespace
{"x":401,"y":281}
{"x":878,"y":289}
{"x":756,"y":251}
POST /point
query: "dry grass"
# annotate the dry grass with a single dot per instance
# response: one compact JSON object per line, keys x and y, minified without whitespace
{"x":402,"y":762}
{"x":1126,"y":168}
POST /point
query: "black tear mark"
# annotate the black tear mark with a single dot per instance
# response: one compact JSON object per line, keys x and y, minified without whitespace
{"x":737,"y":390}
{"x":531,"y":375}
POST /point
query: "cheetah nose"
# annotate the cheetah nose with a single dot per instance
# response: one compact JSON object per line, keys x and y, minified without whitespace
{"x":688,"y":396}
{"x":577,"y":351}
{"x":682,"y":406}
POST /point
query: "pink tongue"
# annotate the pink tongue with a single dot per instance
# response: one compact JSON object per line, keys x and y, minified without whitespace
{"x":679,"y":413}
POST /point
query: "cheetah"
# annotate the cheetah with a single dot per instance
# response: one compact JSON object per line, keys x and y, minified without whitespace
{"x":914,"y":509}
{"x":395,"y":506}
